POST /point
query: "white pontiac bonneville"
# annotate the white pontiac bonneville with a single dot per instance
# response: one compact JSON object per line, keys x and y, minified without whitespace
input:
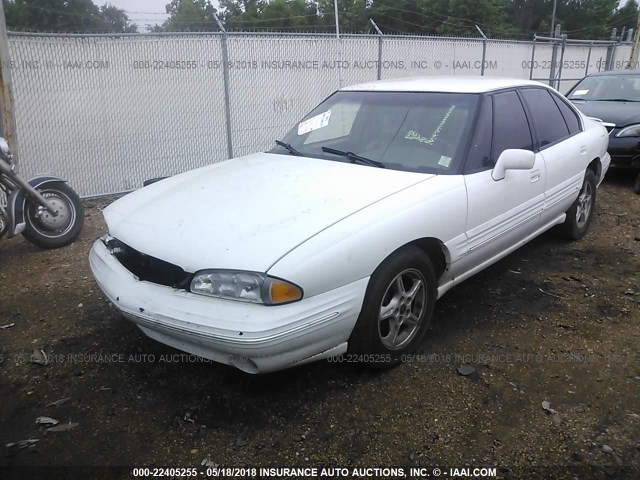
{"x":341,"y":238}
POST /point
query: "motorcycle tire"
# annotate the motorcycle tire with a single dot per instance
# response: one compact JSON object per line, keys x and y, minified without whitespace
{"x":48,"y":231}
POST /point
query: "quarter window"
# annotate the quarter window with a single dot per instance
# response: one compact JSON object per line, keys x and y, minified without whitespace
{"x":569,"y":115}
{"x":510,"y":125}
{"x":547,"y":118}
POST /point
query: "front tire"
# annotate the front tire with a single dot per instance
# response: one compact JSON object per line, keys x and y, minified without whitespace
{"x":397,"y":309}
{"x":581,"y":212}
{"x":48,"y":231}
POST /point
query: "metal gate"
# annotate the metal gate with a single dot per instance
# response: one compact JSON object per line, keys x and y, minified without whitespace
{"x":561,"y":62}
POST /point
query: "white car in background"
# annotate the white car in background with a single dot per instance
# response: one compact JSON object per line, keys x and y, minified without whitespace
{"x":341,"y":238}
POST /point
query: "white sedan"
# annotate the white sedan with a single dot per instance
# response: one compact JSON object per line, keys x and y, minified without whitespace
{"x":341,"y":238}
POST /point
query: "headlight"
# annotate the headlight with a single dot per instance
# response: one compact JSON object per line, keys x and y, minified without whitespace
{"x":630,"y":131}
{"x":245,"y":286}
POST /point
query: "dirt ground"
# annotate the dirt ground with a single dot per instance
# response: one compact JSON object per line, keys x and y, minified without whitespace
{"x":553,"y":322}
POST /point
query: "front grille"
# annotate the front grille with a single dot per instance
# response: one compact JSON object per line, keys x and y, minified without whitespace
{"x":148,"y":268}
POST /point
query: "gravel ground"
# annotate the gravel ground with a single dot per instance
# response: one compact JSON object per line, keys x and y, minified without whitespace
{"x":554,"y":322}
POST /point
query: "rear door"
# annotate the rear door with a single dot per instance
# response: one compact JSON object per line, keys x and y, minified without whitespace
{"x":561,"y":144}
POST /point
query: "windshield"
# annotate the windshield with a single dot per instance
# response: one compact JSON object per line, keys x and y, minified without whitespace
{"x":417,"y":132}
{"x":617,"y":88}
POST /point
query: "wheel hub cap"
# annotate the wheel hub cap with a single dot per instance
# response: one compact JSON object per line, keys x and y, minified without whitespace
{"x":583,"y":209}
{"x":48,"y":221}
{"x":402,"y":309}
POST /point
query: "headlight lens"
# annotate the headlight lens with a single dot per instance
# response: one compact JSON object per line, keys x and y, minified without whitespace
{"x":245,"y":286}
{"x":630,"y":131}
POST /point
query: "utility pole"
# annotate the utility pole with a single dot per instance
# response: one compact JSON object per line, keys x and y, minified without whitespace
{"x":633,"y":58}
{"x":553,"y":18}
{"x":335,"y":8}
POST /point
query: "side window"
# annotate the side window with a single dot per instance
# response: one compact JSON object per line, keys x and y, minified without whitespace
{"x":480,"y":152}
{"x":510,"y":126}
{"x":569,"y":115}
{"x":547,"y":118}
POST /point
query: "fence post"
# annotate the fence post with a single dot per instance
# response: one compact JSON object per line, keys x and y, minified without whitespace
{"x":379,"y":32}
{"x":564,"y":44}
{"x":588,"y":59}
{"x":533,"y":56}
{"x":611,"y":50}
{"x":484,"y":50}
{"x":225,"y":78}
{"x":6,"y":90}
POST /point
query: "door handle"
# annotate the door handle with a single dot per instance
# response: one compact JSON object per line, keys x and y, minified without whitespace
{"x":535,"y":176}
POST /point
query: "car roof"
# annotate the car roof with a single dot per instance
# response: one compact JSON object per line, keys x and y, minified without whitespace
{"x":615,"y":72}
{"x":448,"y":84}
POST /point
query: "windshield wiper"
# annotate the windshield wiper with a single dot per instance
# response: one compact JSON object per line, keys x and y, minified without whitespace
{"x":354,"y":158}
{"x":292,"y":150}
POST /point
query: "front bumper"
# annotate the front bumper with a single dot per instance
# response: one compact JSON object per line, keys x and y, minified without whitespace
{"x":254,"y":338}
{"x":624,"y":151}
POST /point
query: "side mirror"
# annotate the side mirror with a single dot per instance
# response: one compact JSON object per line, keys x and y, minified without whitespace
{"x":513,"y":159}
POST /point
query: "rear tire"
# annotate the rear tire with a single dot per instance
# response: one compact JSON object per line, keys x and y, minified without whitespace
{"x":48,"y":231}
{"x":581,"y":212}
{"x":397,"y":309}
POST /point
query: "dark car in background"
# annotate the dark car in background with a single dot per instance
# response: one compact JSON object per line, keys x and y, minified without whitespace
{"x":614,"y":97}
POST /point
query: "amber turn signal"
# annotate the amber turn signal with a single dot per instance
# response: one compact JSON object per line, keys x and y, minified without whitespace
{"x":283,"y":292}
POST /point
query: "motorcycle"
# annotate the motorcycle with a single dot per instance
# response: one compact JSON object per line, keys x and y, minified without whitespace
{"x":45,"y":210}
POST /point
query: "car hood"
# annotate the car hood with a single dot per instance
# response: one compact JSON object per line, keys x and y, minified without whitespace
{"x":619,"y":113}
{"x":247,"y":213}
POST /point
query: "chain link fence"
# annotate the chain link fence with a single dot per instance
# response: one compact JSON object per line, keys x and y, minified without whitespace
{"x":106,"y":112}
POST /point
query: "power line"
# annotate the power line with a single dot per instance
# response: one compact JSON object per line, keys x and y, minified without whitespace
{"x":272,"y":19}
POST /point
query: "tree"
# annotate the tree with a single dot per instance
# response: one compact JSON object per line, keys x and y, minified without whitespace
{"x":116,"y":20}
{"x":528,"y":17}
{"x":189,"y":16}
{"x":626,"y":16}
{"x":287,"y":14}
{"x":65,"y":16}
{"x":582,"y":19}
{"x":353,"y":15}
{"x":462,"y":16}
{"x":405,"y":16}
{"x":273,"y":14}
{"x":586,"y":19}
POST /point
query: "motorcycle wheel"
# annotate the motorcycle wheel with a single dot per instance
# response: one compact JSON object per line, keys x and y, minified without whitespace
{"x":48,"y":231}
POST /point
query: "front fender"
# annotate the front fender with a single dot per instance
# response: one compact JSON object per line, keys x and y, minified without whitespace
{"x":17,"y":203}
{"x":354,"y":247}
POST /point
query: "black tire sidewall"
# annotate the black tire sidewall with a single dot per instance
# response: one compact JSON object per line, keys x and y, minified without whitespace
{"x":364,"y":340}
{"x":571,"y":228}
{"x":35,"y":237}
